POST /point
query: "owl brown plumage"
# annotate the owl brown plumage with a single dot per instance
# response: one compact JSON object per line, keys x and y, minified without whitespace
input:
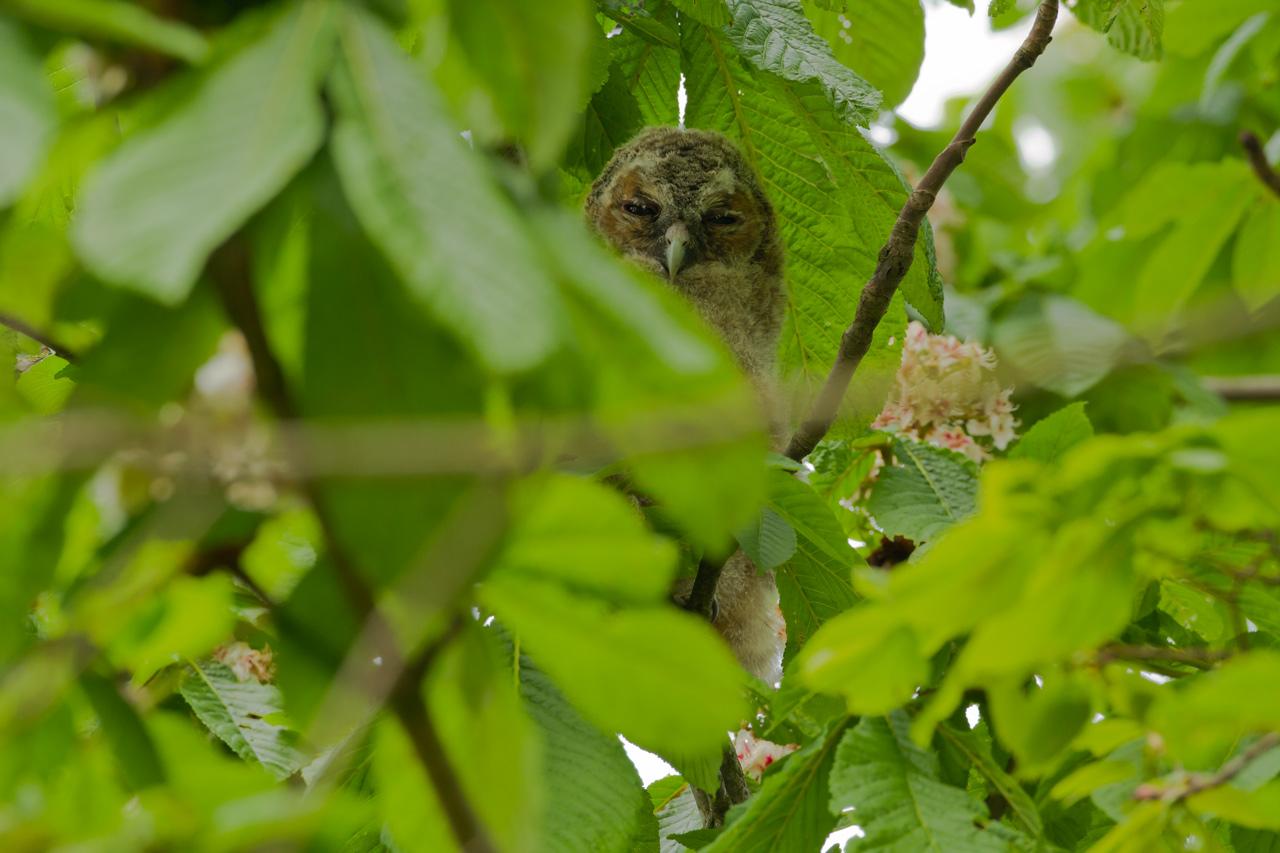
{"x":686,"y":205}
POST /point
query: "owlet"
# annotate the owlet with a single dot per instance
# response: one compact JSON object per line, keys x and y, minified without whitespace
{"x":685,"y":205}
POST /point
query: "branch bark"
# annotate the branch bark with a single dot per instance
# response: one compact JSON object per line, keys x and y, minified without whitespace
{"x":231,"y":272}
{"x":1258,"y":160}
{"x":1262,"y":387}
{"x":1198,"y":782}
{"x":43,"y":338}
{"x":895,"y":258}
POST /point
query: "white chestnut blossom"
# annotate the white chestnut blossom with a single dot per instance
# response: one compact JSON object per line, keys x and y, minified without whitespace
{"x":946,"y":394}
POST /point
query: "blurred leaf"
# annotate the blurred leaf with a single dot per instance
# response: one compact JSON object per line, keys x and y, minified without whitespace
{"x":1133,"y":26}
{"x":659,"y":676}
{"x":1037,"y":723}
{"x":775,"y":36}
{"x":893,"y":786}
{"x":1258,"y":809}
{"x":652,"y":72}
{"x":489,"y":740}
{"x":241,"y":714}
{"x":1059,"y":345}
{"x":42,"y":386}
{"x":185,"y":618}
{"x":1204,"y":716}
{"x":588,"y":538}
{"x":1194,"y":26}
{"x":593,"y":792}
{"x":790,"y":811}
{"x":410,"y":808}
{"x":171,"y":193}
{"x":130,"y":742}
{"x":611,"y":118}
{"x":26,"y":105}
{"x":1255,"y":262}
{"x":407,"y":175}
{"x":532,"y":59}
{"x":882,"y":40}
{"x":115,"y":20}
{"x":1050,"y":438}
{"x":931,"y":489}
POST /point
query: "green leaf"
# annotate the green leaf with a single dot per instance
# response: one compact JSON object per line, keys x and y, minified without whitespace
{"x":42,"y":386}
{"x":978,"y":753}
{"x":676,"y":810}
{"x":160,"y":203}
{"x":1000,"y":7}
{"x":592,"y":789}
{"x":130,"y":742}
{"x":1205,"y":716}
{"x":26,"y":112}
{"x":789,"y":812}
{"x":1051,"y":437}
{"x":931,"y":489}
{"x":115,"y":20}
{"x":652,"y":73}
{"x":1255,"y":261}
{"x":409,"y":805}
{"x":661,"y":677}
{"x":430,"y":206}
{"x":836,"y":199}
{"x":1059,"y":345}
{"x":1133,"y":26}
{"x":533,"y":60}
{"x":769,"y":542}
{"x":894,"y":787}
{"x":240,"y":714}
{"x":638,"y":20}
{"x":816,"y":582}
{"x":775,"y":36}
{"x":1258,"y":809}
{"x":1193,"y":28}
{"x":882,"y":40}
{"x":612,"y":117}
{"x":713,"y":13}
{"x":590,"y":539}
{"x":1085,"y":780}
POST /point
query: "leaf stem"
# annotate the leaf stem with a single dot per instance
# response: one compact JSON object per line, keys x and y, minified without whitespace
{"x":43,"y":338}
{"x":896,"y":256}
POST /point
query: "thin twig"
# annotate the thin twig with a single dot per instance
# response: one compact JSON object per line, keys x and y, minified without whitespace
{"x":1198,"y":782}
{"x":43,"y":338}
{"x":895,"y":257}
{"x":1263,"y":387}
{"x":1197,"y":657}
{"x":1258,"y":160}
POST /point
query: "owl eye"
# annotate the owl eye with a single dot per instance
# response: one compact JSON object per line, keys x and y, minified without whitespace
{"x":640,"y":208}
{"x":720,"y":219}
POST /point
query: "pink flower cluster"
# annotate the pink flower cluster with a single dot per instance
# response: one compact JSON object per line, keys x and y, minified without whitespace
{"x":947,"y":395}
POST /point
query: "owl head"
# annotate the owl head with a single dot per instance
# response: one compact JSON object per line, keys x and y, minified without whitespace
{"x":673,"y":199}
{"x":686,"y":205}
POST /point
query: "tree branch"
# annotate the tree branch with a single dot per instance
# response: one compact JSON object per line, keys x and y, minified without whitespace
{"x":42,"y":338}
{"x":1197,"y":657}
{"x":231,"y":272}
{"x":1262,"y":387}
{"x":895,"y":257}
{"x":1198,"y":782}
{"x":411,"y":709}
{"x":1258,"y":160}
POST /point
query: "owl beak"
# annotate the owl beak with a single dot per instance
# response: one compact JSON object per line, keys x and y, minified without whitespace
{"x":677,"y":239}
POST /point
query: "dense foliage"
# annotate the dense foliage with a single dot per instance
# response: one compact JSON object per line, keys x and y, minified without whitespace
{"x":314,"y":525}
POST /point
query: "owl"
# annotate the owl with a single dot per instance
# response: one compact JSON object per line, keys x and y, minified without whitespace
{"x":686,"y":206}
